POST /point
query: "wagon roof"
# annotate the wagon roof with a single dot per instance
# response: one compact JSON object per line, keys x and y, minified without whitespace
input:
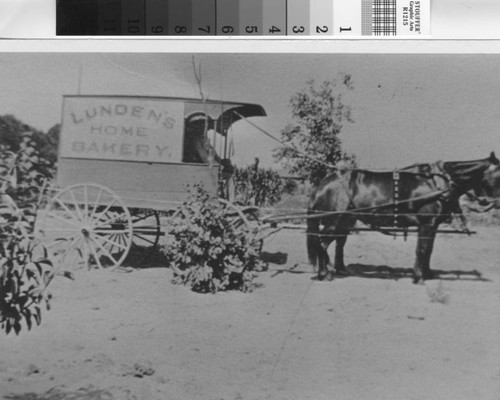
{"x":224,"y":112}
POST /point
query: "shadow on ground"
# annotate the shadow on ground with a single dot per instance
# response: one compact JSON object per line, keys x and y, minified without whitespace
{"x":140,"y":258}
{"x":143,"y":257}
{"x":386,"y":272}
{"x":369,"y":271}
{"x":89,"y":393}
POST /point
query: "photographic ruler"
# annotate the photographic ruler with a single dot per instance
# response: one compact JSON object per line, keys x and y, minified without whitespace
{"x":272,"y":18}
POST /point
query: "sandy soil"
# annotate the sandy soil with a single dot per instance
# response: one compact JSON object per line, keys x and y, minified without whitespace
{"x":370,"y":336}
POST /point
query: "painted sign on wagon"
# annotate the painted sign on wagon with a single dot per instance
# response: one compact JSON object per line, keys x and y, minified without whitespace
{"x":122,"y":128}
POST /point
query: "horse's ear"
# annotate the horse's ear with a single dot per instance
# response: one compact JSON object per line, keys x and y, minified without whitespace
{"x":493,"y":159}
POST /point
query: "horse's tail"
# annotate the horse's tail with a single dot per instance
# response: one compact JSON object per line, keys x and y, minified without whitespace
{"x":313,"y":241}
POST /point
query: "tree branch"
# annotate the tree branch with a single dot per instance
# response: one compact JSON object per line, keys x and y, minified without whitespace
{"x":197,"y":76}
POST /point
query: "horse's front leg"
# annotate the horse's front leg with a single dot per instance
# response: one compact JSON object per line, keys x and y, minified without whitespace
{"x":425,"y":244}
{"x":324,"y":272}
{"x":430,"y":237}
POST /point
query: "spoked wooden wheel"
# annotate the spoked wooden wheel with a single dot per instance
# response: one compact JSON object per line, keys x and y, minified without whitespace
{"x":146,"y":233}
{"x":86,"y":225}
{"x":247,"y":218}
{"x":240,"y":216}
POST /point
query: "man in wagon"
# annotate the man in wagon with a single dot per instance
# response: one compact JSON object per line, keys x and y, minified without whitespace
{"x":197,"y":147}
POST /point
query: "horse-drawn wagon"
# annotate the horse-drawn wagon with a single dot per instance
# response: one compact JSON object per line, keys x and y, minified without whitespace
{"x":142,"y":153}
{"x":126,"y":161}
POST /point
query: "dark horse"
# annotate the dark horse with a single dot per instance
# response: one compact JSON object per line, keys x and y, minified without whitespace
{"x":422,"y":195}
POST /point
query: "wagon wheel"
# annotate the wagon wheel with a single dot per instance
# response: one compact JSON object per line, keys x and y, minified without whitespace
{"x":246,"y":217}
{"x":241,"y":216}
{"x":146,"y":233}
{"x":86,"y":225}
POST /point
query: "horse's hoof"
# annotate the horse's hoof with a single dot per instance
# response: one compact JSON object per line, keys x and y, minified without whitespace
{"x":418,"y":280}
{"x":428,"y":276}
{"x":326,"y":277}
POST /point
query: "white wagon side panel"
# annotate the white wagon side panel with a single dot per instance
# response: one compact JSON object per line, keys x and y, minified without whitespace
{"x":140,"y":185}
{"x":122,"y":128}
{"x":132,"y":145}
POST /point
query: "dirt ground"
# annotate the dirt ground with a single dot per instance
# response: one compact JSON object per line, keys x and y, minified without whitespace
{"x":373,"y":335}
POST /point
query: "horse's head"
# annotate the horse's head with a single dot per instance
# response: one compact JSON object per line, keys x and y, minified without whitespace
{"x":491,"y":181}
{"x":488,"y":192}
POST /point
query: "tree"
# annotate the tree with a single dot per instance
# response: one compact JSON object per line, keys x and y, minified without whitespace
{"x":47,"y":143}
{"x":257,"y":186}
{"x":312,"y":144}
{"x":13,"y":133}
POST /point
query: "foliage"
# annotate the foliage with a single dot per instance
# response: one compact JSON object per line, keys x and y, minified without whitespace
{"x":211,"y":250}
{"x":291,"y":186}
{"x":257,"y":186}
{"x":318,"y":117}
{"x":490,"y":218}
{"x":13,"y":132}
{"x":25,"y":270}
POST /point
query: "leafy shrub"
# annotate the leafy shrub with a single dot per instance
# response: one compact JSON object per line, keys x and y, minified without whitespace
{"x":25,"y":270}
{"x":211,"y":248}
{"x":257,"y":186}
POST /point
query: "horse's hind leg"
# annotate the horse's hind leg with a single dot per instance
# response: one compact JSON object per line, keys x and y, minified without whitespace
{"x":426,"y":268}
{"x":339,"y":254}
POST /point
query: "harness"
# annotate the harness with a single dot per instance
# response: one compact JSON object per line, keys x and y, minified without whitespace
{"x":395,"y":178}
{"x":443,"y":193}
{"x":439,"y":194}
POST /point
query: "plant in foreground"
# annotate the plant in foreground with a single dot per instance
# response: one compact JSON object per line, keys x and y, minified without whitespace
{"x":25,"y":269}
{"x":211,"y":248}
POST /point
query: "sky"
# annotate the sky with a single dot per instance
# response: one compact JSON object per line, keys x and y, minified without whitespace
{"x":406,"y":108}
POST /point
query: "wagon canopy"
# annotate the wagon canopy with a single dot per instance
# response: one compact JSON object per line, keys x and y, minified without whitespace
{"x":224,"y":114}
{"x":139,"y":128}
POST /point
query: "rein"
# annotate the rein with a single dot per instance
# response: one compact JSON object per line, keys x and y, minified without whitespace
{"x":443,"y":174}
{"x":356,"y":211}
{"x":302,"y":153}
